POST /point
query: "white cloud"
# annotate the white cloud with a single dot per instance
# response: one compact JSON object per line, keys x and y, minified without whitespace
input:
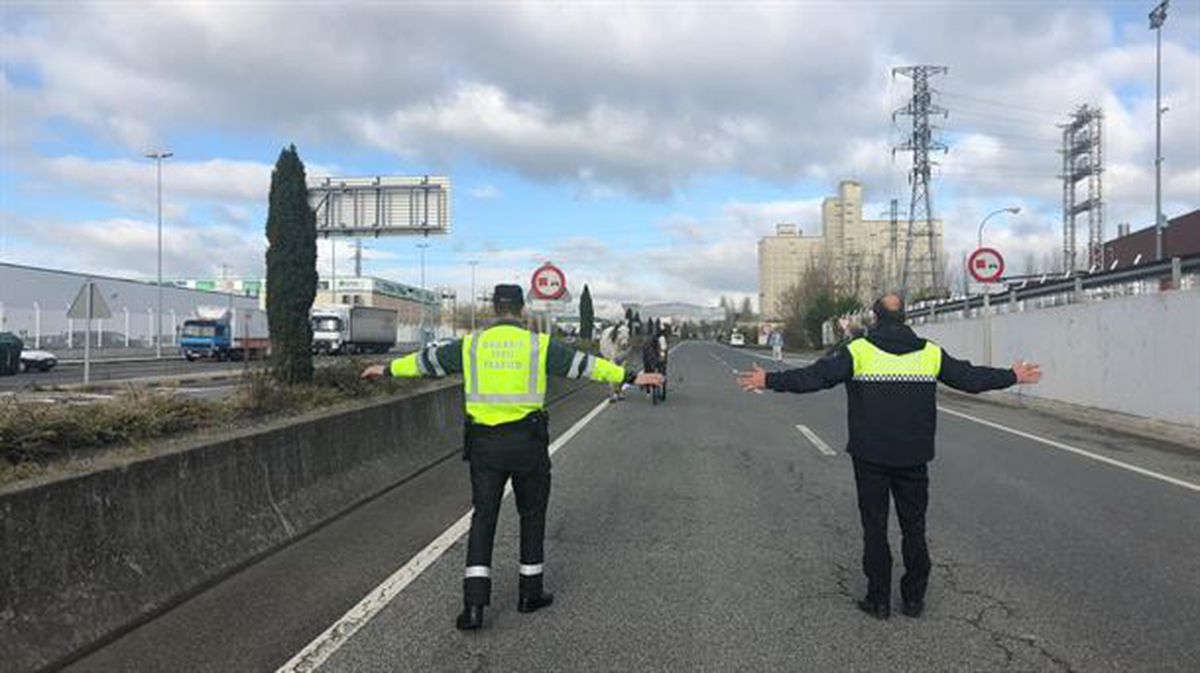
{"x":485,"y":191}
{"x":642,"y":99}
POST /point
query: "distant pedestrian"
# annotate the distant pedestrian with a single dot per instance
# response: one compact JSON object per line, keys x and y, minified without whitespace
{"x":891,"y":378}
{"x":504,"y":369}
{"x":775,"y":341}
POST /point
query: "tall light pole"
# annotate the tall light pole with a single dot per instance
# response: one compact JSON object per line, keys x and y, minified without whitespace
{"x":1012,"y":210}
{"x":473,"y":263}
{"x":158,"y":159}
{"x":422,"y":247}
{"x":1157,"y":18}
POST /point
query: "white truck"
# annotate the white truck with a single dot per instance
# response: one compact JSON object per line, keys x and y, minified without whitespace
{"x":353,"y":329}
{"x":222,"y":333}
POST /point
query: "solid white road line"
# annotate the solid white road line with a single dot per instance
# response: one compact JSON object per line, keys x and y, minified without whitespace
{"x":816,"y":440}
{"x":1066,"y":447}
{"x":339,"y":633}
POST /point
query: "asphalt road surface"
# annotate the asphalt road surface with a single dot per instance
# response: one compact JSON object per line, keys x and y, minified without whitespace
{"x":710,"y":533}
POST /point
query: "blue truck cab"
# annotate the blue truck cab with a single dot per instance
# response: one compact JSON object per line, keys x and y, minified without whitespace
{"x":203,"y":338}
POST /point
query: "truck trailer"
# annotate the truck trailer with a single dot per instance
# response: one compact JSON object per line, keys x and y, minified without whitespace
{"x":221,"y":333}
{"x":353,"y":329}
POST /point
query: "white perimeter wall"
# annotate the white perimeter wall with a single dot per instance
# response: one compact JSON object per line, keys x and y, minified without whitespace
{"x":1137,"y":355}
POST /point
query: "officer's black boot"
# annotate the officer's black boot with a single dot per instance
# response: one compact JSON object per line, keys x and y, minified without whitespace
{"x":476,"y":594}
{"x":877,"y":608}
{"x":471,"y":618}
{"x":532,"y":598}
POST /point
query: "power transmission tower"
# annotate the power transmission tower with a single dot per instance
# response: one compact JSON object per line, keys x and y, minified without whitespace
{"x":920,"y":143}
{"x":893,"y":239}
{"x":1083,"y":162}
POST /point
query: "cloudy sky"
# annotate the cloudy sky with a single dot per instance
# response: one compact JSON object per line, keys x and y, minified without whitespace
{"x":644,"y":147}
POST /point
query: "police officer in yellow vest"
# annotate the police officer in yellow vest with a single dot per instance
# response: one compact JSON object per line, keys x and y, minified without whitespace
{"x":891,"y":378}
{"x":504,"y":370}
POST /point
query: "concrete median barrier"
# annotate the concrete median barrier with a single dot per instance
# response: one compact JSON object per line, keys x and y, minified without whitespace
{"x":85,"y":557}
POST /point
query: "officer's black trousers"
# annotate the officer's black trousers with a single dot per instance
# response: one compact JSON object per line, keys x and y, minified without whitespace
{"x":496,"y":458}
{"x":909,"y":486}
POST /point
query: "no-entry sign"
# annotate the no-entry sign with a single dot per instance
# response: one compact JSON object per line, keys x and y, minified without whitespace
{"x":548,"y":283}
{"x":985,"y":265}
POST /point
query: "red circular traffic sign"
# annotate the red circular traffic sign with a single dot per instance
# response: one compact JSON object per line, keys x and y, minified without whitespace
{"x":548,"y":282}
{"x":986,"y":265}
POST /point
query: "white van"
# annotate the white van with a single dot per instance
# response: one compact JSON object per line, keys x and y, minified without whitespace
{"x":737,"y":340}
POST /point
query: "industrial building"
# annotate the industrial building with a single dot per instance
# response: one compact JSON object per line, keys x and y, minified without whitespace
{"x":863,"y":256}
{"x":1181,"y":237}
{"x":412,"y":304}
{"x":34,"y":303}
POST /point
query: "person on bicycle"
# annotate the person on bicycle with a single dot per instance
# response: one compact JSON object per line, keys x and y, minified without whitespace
{"x":652,"y":358}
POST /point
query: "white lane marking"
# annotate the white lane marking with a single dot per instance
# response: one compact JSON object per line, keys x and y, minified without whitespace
{"x":339,"y":633}
{"x":816,"y":440}
{"x":786,"y":360}
{"x":722,"y":360}
{"x":1071,"y":449}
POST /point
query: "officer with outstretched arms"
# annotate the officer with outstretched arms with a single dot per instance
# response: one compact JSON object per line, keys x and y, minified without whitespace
{"x":891,"y":378}
{"x":504,"y":370}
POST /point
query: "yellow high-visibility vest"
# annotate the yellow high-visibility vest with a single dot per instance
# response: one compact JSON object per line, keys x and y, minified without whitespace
{"x":504,"y":374}
{"x":872,"y":363}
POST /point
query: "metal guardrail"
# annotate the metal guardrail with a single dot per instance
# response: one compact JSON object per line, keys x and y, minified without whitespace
{"x":1167,"y":268}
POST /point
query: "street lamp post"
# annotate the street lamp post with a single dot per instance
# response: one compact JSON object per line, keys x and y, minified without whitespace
{"x":987,"y":297}
{"x":422,"y":247}
{"x":473,"y":263}
{"x":1157,"y":18}
{"x":158,"y":159}
{"x":1011,"y":210}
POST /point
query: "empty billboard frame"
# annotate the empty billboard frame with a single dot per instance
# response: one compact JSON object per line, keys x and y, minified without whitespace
{"x":381,"y":206}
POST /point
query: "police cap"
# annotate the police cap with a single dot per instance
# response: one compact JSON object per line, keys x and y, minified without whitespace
{"x":508,"y":298}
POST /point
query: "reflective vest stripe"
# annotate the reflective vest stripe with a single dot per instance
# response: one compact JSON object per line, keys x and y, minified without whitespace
{"x":473,"y":391}
{"x":432,"y":359}
{"x":873,"y":364}
{"x":581,"y":365}
{"x":535,"y":361}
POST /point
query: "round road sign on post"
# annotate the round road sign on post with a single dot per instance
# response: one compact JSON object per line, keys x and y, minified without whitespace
{"x":548,"y":283}
{"x":986,"y":265}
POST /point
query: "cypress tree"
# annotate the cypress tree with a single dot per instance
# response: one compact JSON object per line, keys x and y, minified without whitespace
{"x":291,"y":270}
{"x":587,"y":316}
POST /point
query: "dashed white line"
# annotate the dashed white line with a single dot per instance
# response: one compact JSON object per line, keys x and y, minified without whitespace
{"x":333,"y":638}
{"x":1077,"y":451}
{"x":816,"y":440}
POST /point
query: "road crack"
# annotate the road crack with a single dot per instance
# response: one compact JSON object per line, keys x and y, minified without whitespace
{"x":996,"y":607}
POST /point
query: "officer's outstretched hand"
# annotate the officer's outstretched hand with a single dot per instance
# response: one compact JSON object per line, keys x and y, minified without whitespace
{"x":373,"y":372}
{"x":648,"y":379}
{"x":1027,"y":372}
{"x":753,"y":380}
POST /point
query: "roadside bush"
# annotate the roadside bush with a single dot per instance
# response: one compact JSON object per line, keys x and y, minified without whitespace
{"x":39,"y":431}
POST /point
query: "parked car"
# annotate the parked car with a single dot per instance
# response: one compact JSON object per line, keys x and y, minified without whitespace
{"x":737,"y":340}
{"x":38,"y":361}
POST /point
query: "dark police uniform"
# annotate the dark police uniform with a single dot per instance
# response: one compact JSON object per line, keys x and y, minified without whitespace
{"x":891,"y":378}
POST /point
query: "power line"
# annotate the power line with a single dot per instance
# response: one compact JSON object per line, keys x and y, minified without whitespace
{"x":1026,"y":108}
